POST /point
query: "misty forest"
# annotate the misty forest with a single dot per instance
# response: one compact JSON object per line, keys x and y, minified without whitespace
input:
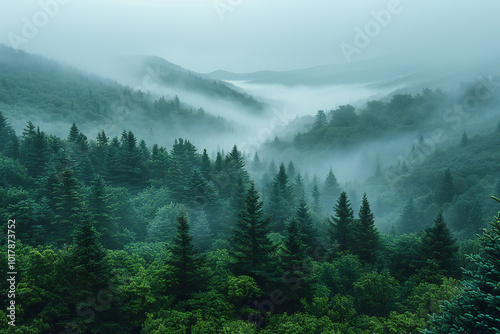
{"x":149,"y":198}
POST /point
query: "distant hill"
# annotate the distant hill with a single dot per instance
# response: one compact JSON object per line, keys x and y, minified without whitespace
{"x":45,"y":91}
{"x":151,"y":73}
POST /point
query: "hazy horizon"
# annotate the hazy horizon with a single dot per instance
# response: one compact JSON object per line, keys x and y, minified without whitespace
{"x":244,"y":36}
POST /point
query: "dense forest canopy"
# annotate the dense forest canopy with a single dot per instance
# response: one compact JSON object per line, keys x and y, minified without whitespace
{"x":118,"y":234}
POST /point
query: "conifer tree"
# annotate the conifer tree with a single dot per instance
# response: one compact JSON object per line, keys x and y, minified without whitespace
{"x":409,"y":220}
{"x":477,"y":307}
{"x":294,"y":248}
{"x":186,"y":263}
{"x":251,"y":247}
{"x":366,"y":233}
{"x":290,"y":170}
{"x":465,"y":140}
{"x":439,"y":245}
{"x":91,"y":272}
{"x":309,"y":232}
{"x":331,"y":189}
{"x":445,"y":189}
{"x":320,"y":120}
{"x":102,"y":213}
{"x":298,"y":188}
{"x":34,"y":150}
{"x":4,"y":133}
{"x":341,"y":225}
{"x":69,"y":207}
{"x":316,"y":197}
{"x":73,"y":133}
{"x":280,"y":199}
{"x":202,"y":235}
{"x":256,"y":164}
{"x":205,"y":165}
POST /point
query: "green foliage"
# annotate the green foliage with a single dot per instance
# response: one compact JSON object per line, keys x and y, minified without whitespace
{"x":187,"y":265}
{"x":342,"y":224}
{"x":252,"y":248}
{"x":376,"y":293}
{"x":477,"y":307}
{"x":366,"y":234}
{"x":439,"y":245}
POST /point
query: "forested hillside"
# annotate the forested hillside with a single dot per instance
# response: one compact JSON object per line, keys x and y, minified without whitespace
{"x":35,"y":88}
{"x":114,"y":235}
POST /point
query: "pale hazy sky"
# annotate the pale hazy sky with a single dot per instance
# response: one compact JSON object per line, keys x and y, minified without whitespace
{"x":251,"y":35}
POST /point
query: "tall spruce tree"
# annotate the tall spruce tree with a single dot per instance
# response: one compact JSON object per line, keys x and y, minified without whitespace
{"x":88,"y":258}
{"x":439,"y":245}
{"x":477,"y":307}
{"x":298,"y":188}
{"x":187,"y":264}
{"x":409,"y":220}
{"x":280,"y":201}
{"x":446,"y":188}
{"x":367,"y":236}
{"x":251,"y":247}
{"x":309,"y":232}
{"x":104,"y":221}
{"x":34,"y":150}
{"x":331,"y":190}
{"x":316,"y":198}
{"x":342,"y":224}
{"x":69,"y":207}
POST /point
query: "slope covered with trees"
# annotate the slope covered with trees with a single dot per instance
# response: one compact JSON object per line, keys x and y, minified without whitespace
{"x":161,"y":240}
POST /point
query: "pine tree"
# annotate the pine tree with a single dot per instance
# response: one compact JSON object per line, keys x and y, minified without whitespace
{"x":298,"y":188}
{"x":73,"y":133}
{"x":290,"y":170}
{"x":309,"y":232}
{"x":91,"y":272}
{"x":256,"y":165}
{"x":320,"y":120}
{"x":465,"y":140}
{"x":316,"y":197}
{"x":439,"y":245}
{"x":132,"y":169}
{"x":34,"y":150}
{"x":206,"y":165}
{"x":251,"y":247}
{"x":186,"y":263}
{"x":280,"y":199}
{"x":102,"y":213}
{"x":113,"y":165}
{"x":366,"y":233}
{"x":294,"y":248}
{"x":341,"y":225}
{"x":477,"y":307}
{"x":69,"y":207}
{"x":409,"y":221}
{"x":202,"y":235}
{"x":446,"y":188}
{"x":331,"y":189}
{"x":4,"y":133}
